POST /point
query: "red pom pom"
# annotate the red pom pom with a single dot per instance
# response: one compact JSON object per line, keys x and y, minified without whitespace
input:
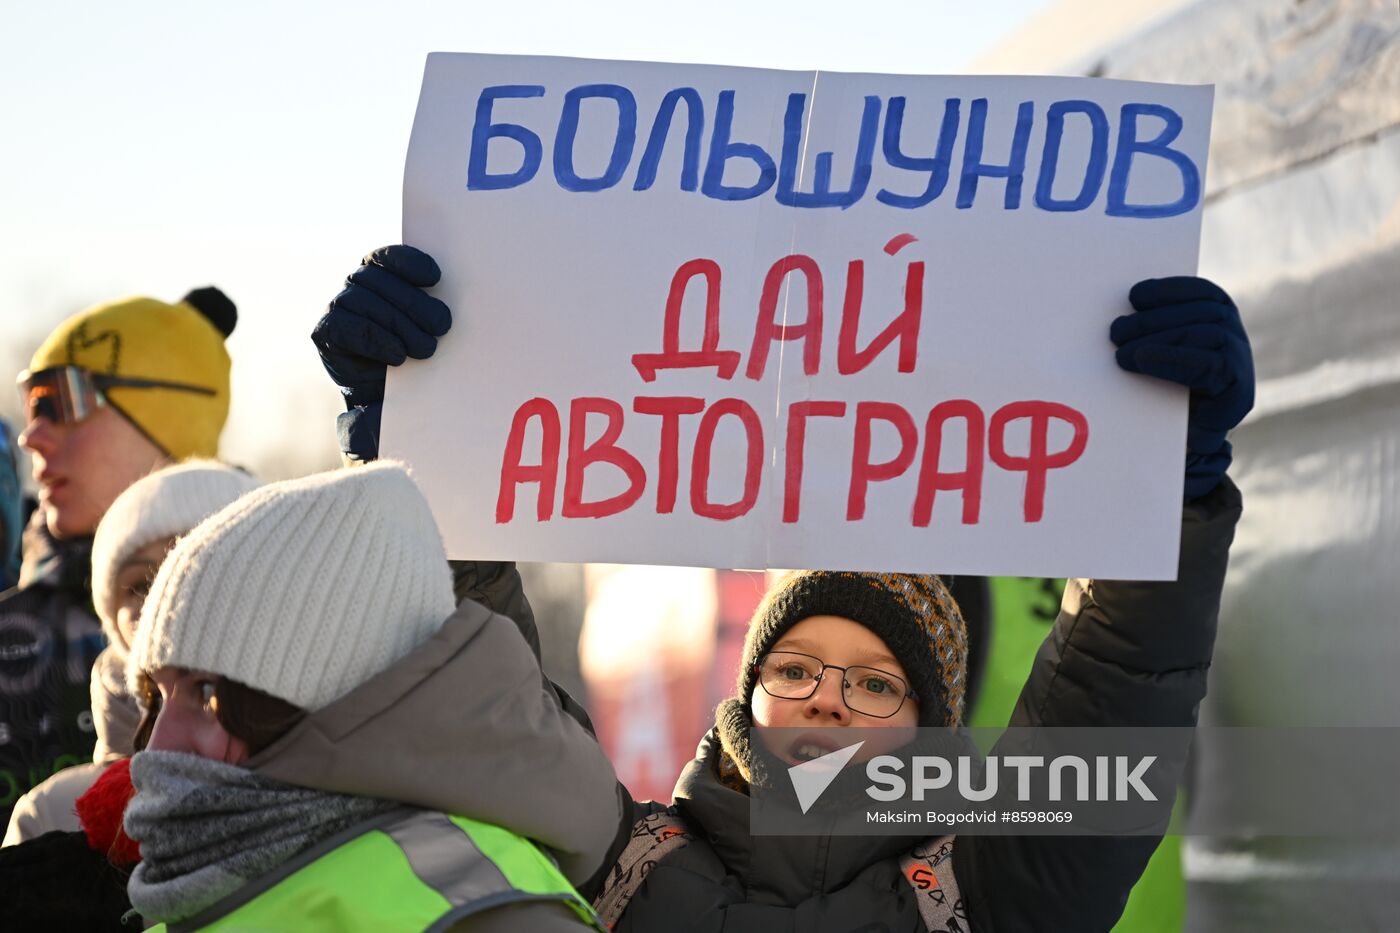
{"x":100,"y":811}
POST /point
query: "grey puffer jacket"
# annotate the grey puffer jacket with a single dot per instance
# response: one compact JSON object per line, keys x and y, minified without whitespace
{"x":462,"y":724}
{"x":465,"y":724}
{"x":497,"y":586}
{"x":1120,"y":654}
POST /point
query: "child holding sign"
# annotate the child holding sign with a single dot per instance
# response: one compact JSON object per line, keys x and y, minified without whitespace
{"x":1127,"y":654}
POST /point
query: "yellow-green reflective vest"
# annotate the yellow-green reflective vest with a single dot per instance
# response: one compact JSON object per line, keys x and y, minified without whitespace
{"x":409,"y":870}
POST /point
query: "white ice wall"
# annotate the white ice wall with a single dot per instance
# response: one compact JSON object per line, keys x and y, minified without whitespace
{"x":1302,"y":225}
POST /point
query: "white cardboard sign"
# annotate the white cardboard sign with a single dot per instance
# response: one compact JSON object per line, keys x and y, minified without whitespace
{"x":748,"y":318}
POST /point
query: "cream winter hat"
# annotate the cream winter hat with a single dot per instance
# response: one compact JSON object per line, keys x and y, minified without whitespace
{"x":166,"y":503}
{"x":302,"y":589}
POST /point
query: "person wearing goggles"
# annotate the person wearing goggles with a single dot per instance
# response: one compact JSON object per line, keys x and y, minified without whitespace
{"x":120,"y":390}
{"x":69,"y":394}
{"x":86,"y":450}
{"x":115,"y":392}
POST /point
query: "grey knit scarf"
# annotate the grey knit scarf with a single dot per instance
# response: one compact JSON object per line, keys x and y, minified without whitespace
{"x":207,"y":828}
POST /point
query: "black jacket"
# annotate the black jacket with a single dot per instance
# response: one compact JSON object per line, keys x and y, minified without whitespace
{"x":1120,"y":654}
{"x":57,"y":882}
{"x":727,"y":879}
{"x":49,"y":638}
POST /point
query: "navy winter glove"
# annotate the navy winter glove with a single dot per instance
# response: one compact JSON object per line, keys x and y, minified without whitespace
{"x":1187,"y":330}
{"x":382,"y":318}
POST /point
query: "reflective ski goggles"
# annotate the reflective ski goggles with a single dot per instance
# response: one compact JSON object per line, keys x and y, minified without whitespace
{"x":68,"y":394}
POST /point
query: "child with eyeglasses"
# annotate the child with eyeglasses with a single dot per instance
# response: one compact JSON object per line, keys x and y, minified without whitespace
{"x":829,"y":651}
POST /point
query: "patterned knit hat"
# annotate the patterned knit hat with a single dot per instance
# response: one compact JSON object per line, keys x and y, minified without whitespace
{"x":302,"y":589}
{"x":914,"y":615}
{"x":144,"y":338}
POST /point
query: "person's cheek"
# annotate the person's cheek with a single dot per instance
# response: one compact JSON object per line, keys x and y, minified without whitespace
{"x":170,"y":733}
{"x":763,"y":709}
{"x":216,"y":743}
{"x":127,"y":617}
{"x":237,"y":751}
{"x":213,"y":744}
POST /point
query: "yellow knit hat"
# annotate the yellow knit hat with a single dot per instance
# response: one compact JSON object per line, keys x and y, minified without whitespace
{"x":145,"y":338}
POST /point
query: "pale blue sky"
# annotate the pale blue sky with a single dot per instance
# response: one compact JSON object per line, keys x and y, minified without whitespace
{"x":152,"y":147}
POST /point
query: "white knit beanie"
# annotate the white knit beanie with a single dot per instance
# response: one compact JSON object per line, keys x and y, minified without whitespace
{"x":302,"y":589}
{"x":166,"y":503}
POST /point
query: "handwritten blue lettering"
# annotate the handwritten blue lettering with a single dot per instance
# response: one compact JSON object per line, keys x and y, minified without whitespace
{"x":722,"y":149}
{"x":694,"y":129}
{"x":1050,"y":157}
{"x":623,"y":143}
{"x":1129,"y":145}
{"x":821,"y":194}
{"x":973,"y":167}
{"x":483,"y":131}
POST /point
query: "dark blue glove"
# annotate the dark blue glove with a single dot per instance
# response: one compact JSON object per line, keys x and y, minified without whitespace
{"x":382,"y":318}
{"x":1187,"y":330}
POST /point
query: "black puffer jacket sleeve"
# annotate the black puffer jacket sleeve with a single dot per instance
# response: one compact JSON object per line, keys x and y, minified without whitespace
{"x":497,"y":586}
{"x":1121,"y":653}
